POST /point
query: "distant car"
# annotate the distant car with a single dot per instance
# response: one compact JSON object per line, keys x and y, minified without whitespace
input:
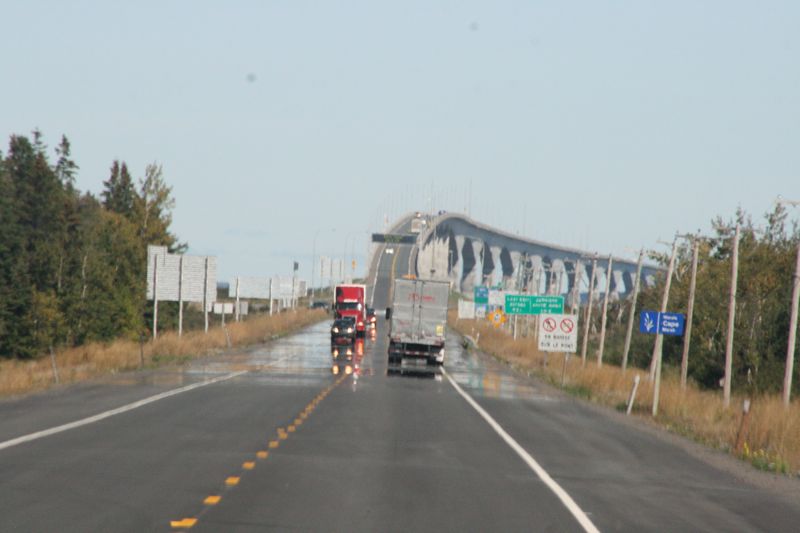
{"x":372,"y":319}
{"x":343,"y":330}
{"x":319,"y":305}
{"x":390,"y":250}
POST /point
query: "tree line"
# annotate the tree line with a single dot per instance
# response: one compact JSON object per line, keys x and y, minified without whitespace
{"x":767,"y":256}
{"x":73,"y":265}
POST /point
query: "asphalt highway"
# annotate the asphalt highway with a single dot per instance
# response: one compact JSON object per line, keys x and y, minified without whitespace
{"x":291,"y":438}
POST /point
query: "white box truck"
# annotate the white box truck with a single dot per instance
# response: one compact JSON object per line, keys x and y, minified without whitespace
{"x":417,"y":320}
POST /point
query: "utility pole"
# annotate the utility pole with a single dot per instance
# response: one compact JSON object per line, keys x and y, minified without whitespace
{"x":664,"y":302}
{"x":632,"y":313}
{"x":726,"y":395}
{"x":587,"y":327}
{"x":789,"y":370}
{"x":787,"y":377}
{"x":687,"y":339}
{"x":576,"y":287}
{"x":605,"y":314}
{"x":659,"y":344}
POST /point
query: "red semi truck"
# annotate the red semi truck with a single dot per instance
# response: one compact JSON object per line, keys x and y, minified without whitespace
{"x":350,"y":300}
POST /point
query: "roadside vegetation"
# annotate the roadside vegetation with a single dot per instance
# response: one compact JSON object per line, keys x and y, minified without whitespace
{"x":73,"y":274}
{"x":96,"y":359}
{"x":72,"y":264}
{"x":770,"y":437}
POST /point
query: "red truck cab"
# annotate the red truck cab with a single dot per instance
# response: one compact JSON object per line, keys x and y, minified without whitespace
{"x":349,"y":300}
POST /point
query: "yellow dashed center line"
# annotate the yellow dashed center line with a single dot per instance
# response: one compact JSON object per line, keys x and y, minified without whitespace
{"x":283,"y":434}
{"x":186,"y":523}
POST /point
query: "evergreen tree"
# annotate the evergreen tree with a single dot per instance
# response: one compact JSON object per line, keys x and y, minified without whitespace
{"x":153,"y":210}
{"x":119,"y":193}
{"x":65,"y":168}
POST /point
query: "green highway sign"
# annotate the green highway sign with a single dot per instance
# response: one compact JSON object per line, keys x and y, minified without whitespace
{"x":527,"y":304}
{"x":394,"y":238}
{"x":481,"y":295}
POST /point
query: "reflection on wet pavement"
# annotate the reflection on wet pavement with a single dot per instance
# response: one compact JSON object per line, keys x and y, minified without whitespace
{"x":308,"y":357}
{"x":487,"y":377}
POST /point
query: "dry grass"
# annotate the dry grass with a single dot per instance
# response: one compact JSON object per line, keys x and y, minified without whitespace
{"x":772,"y":440}
{"x":96,"y":359}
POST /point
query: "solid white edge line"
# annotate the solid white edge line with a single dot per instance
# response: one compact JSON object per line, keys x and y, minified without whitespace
{"x":119,"y":410}
{"x":565,"y":498}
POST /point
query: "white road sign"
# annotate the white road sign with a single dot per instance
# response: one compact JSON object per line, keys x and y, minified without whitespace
{"x":223,"y":307}
{"x":466,"y":309}
{"x":249,"y":288}
{"x":558,"y":333}
{"x":497,"y":298}
{"x":180,"y":277}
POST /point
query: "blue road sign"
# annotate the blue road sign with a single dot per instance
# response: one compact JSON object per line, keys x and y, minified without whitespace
{"x":648,"y":322}
{"x":654,"y":322}
{"x":671,"y":324}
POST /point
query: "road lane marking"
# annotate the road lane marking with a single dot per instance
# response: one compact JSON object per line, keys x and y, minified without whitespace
{"x":119,"y":410}
{"x":186,"y":523}
{"x":562,"y":495}
{"x":232,"y":481}
{"x":375,"y":279}
{"x":391,"y":276}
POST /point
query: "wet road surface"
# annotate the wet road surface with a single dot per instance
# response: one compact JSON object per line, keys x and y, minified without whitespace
{"x":293,"y":438}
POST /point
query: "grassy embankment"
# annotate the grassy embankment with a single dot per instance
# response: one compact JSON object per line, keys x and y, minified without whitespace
{"x":772,"y":436}
{"x":96,"y":359}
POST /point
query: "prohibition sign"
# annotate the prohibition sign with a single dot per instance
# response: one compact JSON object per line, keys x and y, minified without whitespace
{"x":567,"y":325}
{"x":549,"y":325}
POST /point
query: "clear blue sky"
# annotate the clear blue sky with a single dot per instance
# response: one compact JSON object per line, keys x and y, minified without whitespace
{"x":604,"y":125}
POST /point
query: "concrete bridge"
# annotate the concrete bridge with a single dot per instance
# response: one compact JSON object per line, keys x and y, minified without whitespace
{"x":467,"y":253}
